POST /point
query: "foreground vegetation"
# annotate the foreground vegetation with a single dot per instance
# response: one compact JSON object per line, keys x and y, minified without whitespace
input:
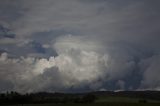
{"x":108,"y":98}
{"x":91,"y":104}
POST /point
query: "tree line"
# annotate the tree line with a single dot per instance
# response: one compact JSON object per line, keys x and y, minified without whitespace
{"x":44,"y":97}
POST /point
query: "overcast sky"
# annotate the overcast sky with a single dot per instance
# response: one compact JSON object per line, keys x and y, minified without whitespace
{"x":79,"y":45}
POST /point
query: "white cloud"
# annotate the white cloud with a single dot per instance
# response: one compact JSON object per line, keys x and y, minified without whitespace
{"x":76,"y":65}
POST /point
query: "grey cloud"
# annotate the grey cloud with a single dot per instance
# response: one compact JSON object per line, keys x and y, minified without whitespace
{"x":77,"y":66}
{"x":151,"y":71}
{"x":98,"y":44}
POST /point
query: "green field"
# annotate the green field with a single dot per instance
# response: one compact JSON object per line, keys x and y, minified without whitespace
{"x":111,"y":99}
{"x":103,"y":101}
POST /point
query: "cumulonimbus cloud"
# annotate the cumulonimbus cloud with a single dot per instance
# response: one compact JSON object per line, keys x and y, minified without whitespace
{"x":78,"y":64}
{"x":117,"y":46}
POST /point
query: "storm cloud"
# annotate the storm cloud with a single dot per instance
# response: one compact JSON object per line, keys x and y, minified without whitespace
{"x":79,"y":45}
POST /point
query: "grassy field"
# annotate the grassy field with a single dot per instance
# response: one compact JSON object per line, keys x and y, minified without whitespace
{"x":122,"y":100}
{"x":103,"y":101}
